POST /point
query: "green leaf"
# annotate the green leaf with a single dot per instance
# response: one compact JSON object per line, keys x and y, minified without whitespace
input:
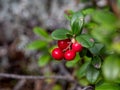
{"x":82,"y":70}
{"x":41,"y":32}
{"x":108,"y":86}
{"x":60,"y":34}
{"x":92,"y":74}
{"x":43,"y":60}
{"x":73,"y":62}
{"x":86,"y":40}
{"x":104,"y":17}
{"x":103,"y":34}
{"x":38,"y":44}
{"x":96,"y":62}
{"x":96,"y":48}
{"x":77,"y":21}
{"x":111,"y":68}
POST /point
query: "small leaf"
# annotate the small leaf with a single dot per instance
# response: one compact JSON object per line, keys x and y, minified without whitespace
{"x":107,"y":86}
{"x":82,"y":70}
{"x":86,"y":40}
{"x":73,"y":62}
{"x":38,"y":44}
{"x":111,"y":68}
{"x":104,"y":17}
{"x":96,"y":48}
{"x":43,"y":60}
{"x":60,"y":34}
{"x":77,"y":22}
{"x":41,"y":32}
{"x":96,"y":62}
{"x":92,"y":74}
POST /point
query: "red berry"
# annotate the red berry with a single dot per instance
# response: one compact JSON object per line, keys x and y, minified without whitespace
{"x":69,"y":55}
{"x":57,"y":54}
{"x":62,"y":44}
{"x":77,"y":47}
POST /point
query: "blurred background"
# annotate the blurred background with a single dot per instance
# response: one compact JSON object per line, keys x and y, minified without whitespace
{"x":18,"y":19}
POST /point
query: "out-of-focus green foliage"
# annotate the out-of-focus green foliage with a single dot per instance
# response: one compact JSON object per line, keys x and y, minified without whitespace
{"x":43,"y":60}
{"x":111,"y":67}
{"x":108,"y":86}
{"x":38,"y":44}
{"x":57,"y":87}
{"x":42,"y":44}
{"x":104,"y":26}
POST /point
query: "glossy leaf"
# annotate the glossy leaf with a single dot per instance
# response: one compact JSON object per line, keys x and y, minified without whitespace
{"x":38,"y":44}
{"x":82,"y":70}
{"x":60,"y":34}
{"x":92,"y":74}
{"x":43,"y":60}
{"x":41,"y":32}
{"x":77,"y":22}
{"x":96,"y":48}
{"x":86,"y":40}
{"x":111,"y":68}
{"x":96,"y":62}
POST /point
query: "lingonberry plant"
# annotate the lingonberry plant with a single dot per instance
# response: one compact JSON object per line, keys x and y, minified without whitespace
{"x":87,"y":54}
{"x":91,"y":48}
{"x":74,"y":41}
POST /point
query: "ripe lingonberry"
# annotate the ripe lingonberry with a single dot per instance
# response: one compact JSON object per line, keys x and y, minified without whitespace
{"x":77,"y":47}
{"x":70,"y":55}
{"x":62,"y":44}
{"x":57,"y":54}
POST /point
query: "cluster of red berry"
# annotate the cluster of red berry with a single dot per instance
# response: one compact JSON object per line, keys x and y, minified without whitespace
{"x":66,"y":49}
